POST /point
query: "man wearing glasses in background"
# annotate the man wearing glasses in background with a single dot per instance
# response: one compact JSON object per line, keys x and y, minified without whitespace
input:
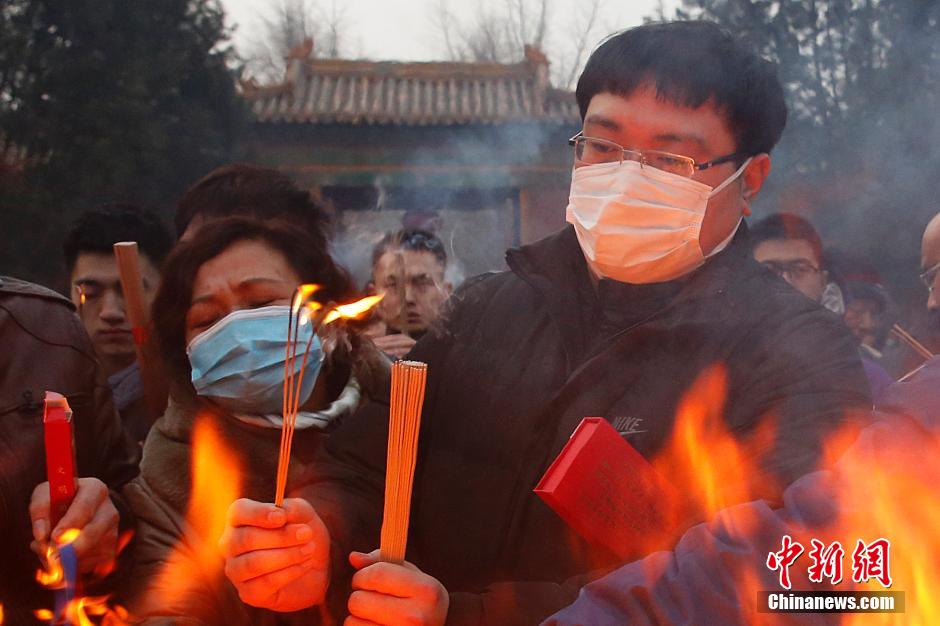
{"x":616,"y":315}
{"x":930,"y":264}
{"x":790,"y":247}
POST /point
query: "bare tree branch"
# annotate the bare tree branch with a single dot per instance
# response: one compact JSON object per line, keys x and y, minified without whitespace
{"x":293,"y":22}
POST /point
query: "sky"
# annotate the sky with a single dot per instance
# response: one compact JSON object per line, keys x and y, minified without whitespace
{"x":404,"y":29}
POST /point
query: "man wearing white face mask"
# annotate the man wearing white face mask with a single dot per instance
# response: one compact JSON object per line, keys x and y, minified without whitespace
{"x":614,"y":316}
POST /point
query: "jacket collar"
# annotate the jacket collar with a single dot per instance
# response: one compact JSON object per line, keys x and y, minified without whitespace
{"x":555,"y":267}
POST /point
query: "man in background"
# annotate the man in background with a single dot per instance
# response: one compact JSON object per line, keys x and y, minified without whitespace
{"x":789,"y":246}
{"x":930,"y":266}
{"x":408,"y":268}
{"x":95,"y":290}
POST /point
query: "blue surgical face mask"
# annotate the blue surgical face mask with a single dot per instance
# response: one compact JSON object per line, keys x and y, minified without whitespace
{"x":238,"y":363}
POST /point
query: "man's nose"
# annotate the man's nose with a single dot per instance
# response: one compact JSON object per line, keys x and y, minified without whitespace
{"x":933,"y":301}
{"x":112,"y":308}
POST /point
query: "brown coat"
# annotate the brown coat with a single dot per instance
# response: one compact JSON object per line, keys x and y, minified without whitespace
{"x":196,"y":591}
{"x":43,"y":346}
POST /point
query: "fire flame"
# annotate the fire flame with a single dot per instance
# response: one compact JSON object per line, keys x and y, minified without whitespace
{"x":706,"y":464}
{"x":353,"y":310}
{"x":895,"y":495}
{"x":302,"y":296}
{"x":886,"y":488}
{"x":216,"y":483}
{"x":79,"y":612}
{"x":51,"y":575}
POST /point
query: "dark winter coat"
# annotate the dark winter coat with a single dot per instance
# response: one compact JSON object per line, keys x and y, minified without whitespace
{"x":43,"y":346}
{"x":700,"y":581}
{"x":177,"y":572}
{"x":525,"y":355}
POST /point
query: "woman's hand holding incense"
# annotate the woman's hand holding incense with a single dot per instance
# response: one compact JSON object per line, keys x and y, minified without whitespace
{"x":91,"y":513}
{"x":389,"y":593}
{"x":277,"y":558}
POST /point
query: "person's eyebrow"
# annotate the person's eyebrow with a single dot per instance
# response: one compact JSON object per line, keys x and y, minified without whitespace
{"x":251,"y":282}
{"x":603,"y":122}
{"x":84,"y":280}
{"x":681,"y":138}
{"x":242,"y":286}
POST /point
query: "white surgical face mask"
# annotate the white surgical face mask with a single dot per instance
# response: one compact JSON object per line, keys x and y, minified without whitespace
{"x":638,"y":224}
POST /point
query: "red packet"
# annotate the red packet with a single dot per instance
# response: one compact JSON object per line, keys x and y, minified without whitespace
{"x":60,"y":454}
{"x":604,"y":489}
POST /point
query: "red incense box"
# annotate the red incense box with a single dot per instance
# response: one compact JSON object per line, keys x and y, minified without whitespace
{"x":60,"y":455}
{"x":604,"y":489}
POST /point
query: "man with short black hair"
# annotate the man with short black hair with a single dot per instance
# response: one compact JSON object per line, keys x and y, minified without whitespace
{"x":408,"y":268}
{"x":790,"y":247}
{"x":95,"y":289}
{"x":616,"y":315}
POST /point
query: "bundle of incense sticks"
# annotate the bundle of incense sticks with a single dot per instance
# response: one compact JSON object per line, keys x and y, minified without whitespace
{"x":305,"y":311}
{"x":404,"y":422}
{"x":300,"y":314}
{"x":908,"y":338}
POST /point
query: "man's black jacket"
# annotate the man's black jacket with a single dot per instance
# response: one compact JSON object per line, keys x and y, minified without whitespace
{"x":523,"y":357}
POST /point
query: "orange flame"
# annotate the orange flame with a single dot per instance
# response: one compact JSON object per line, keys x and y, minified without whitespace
{"x":886,"y":488}
{"x":216,"y":483}
{"x":44,"y":615}
{"x":707,"y":465}
{"x":51,"y":575}
{"x":353,"y":310}
{"x":80,"y":611}
{"x":1,"y":613}
{"x":68,"y":536}
{"x":301,"y":296}
{"x":895,"y":495}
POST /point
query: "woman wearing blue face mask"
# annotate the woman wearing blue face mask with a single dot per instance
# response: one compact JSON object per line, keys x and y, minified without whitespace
{"x":220,"y":320}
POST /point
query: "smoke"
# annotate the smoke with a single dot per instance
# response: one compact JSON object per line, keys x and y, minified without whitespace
{"x":859,"y":154}
{"x":468,"y":184}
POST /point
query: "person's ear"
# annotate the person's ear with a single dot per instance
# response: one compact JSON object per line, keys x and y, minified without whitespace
{"x":752,"y":179}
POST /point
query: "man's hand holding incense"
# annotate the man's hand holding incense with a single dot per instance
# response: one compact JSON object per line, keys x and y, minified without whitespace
{"x":91,"y":513}
{"x":388,"y":593}
{"x":396,"y":346}
{"x":277,"y":558}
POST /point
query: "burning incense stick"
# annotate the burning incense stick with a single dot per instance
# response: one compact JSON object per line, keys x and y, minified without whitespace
{"x":404,"y":422}
{"x":907,"y":338}
{"x":133,"y":285}
{"x":305,"y":311}
{"x":138,"y":313}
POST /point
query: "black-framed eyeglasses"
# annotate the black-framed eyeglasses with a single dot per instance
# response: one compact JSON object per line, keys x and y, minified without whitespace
{"x":594,"y":151}
{"x":929,"y":276}
{"x":797,"y":269}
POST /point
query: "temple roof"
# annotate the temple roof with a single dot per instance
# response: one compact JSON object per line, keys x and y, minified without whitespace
{"x":340,"y":91}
